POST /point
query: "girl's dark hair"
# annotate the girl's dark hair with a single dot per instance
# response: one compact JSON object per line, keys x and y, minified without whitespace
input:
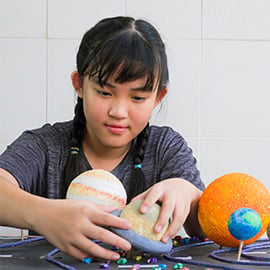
{"x":125,"y":49}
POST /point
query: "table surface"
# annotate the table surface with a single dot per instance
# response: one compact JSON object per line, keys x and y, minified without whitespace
{"x":32,"y":256}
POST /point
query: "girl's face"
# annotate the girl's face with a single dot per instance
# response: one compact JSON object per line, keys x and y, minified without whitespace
{"x":116,"y":113}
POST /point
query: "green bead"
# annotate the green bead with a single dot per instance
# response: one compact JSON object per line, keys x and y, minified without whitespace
{"x":122,"y":261}
{"x":178,"y":266}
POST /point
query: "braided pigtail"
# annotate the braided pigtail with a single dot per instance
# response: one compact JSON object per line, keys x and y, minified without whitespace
{"x":138,"y":175}
{"x":72,"y":168}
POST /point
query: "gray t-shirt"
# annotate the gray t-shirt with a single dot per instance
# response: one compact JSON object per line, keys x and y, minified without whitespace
{"x":37,"y":159}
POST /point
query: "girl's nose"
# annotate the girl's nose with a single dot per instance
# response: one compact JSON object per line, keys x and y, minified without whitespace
{"x":118,"y":109}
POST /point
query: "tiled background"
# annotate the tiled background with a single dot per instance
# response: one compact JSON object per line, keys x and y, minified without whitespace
{"x":219,"y":60}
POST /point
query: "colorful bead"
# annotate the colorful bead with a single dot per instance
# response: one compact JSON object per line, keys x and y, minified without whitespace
{"x":185,"y":268}
{"x":195,"y":238}
{"x":177,"y":238}
{"x":175,"y":242}
{"x":186,"y":240}
{"x":138,"y":258}
{"x":178,"y":266}
{"x":162,"y":266}
{"x":104,"y":266}
{"x":152,"y":260}
{"x":156,"y":268}
{"x":136,"y":266}
{"x":122,"y":261}
{"x":87,"y":260}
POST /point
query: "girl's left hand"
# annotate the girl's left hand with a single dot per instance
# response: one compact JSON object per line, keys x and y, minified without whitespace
{"x":179,"y":200}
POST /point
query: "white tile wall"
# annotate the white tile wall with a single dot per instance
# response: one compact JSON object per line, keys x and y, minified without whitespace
{"x":70,"y":19}
{"x":184,"y":57}
{"x":225,"y":155}
{"x":235,"y":89}
{"x":23,"y":86}
{"x":175,"y":19}
{"x":61,"y":63}
{"x":236,"y":19}
{"x":25,"y":18}
{"x":219,"y":61}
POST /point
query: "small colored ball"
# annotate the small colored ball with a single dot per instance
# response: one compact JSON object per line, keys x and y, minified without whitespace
{"x":175,"y":243}
{"x":225,"y":195}
{"x":177,"y":237}
{"x":138,"y":258}
{"x":178,"y":266}
{"x":244,"y":223}
{"x":98,"y":186}
{"x":104,"y":266}
{"x":152,"y":260}
{"x":122,"y":261}
{"x":186,"y":240}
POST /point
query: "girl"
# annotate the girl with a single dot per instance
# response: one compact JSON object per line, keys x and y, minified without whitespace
{"x":121,"y":76}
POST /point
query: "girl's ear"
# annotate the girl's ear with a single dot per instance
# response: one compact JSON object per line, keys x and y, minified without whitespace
{"x":161,"y":95}
{"x":77,"y":83}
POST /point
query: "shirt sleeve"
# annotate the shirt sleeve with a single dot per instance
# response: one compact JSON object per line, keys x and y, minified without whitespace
{"x":25,"y":159}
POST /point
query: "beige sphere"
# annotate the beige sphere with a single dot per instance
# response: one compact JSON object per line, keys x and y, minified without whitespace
{"x":98,"y":186}
{"x":143,"y":224}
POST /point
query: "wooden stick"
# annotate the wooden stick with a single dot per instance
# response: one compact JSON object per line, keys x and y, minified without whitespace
{"x":240,"y":250}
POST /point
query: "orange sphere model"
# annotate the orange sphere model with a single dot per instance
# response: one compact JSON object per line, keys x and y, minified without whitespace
{"x":227,"y":194}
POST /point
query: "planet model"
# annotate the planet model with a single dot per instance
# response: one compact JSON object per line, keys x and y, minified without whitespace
{"x":143,"y":224}
{"x":223,"y":197}
{"x":98,"y":186}
{"x":142,"y":234}
{"x":244,"y":223}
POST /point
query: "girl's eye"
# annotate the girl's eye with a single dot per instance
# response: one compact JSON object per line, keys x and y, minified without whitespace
{"x":103,"y":93}
{"x":139,"y":98}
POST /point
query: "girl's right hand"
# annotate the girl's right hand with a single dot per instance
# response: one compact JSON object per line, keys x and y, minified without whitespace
{"x":68,"y":224}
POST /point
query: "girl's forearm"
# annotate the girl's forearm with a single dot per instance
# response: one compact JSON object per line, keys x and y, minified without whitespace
{"x":192,"y":225}
{"x":17,"y":206}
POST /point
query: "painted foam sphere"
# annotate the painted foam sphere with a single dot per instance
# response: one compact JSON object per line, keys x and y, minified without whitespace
{"x":143,"y":224}
{"x":244,"y":223}
{"x":98,"y":186}
{"x":227,"y":194}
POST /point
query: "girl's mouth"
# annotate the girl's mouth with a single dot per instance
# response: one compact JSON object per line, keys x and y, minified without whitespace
{"x":116,"y":129}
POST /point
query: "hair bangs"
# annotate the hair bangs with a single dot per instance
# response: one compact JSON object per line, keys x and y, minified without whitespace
{"x":124,"y":58}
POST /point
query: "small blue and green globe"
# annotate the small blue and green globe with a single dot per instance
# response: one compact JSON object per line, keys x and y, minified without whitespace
{"x":244,"y":223}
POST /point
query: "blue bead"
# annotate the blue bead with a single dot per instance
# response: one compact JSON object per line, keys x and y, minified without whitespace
{"x":186,"y":240}
{"x":87,"y":260}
